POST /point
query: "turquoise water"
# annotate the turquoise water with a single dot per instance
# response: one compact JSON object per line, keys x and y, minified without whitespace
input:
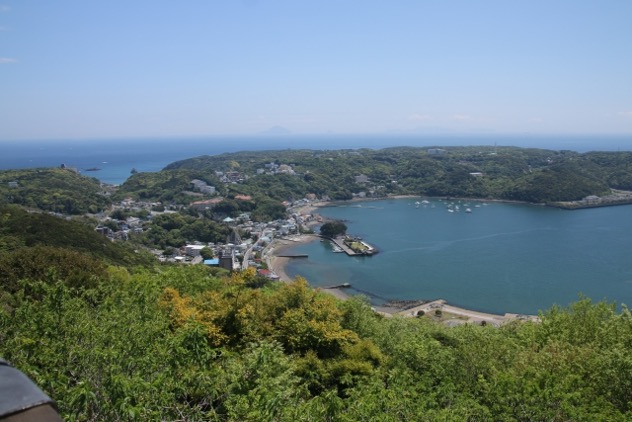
{"x":499,"y":258}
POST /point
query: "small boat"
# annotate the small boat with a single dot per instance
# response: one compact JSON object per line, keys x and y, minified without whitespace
{"x":468,"y":210}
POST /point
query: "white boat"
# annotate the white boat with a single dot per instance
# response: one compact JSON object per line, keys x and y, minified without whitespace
{"x":468,"y":210}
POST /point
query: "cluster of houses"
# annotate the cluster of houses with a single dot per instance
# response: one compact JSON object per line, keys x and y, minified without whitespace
{"x":235,"y":254}
{"x":202,"y":187}
{"x":234,"y":176}
{"x":273,"y":168}
{"x":244,"y":253}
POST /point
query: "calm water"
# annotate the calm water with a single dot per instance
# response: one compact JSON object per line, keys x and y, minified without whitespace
{"x":499,"y":258}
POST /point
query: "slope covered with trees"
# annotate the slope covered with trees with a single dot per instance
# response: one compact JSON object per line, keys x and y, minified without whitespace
{"x":182,"y":343}
{"x":532,"y":175}
{"x":20,"y":229}
{"x":53,"y":189}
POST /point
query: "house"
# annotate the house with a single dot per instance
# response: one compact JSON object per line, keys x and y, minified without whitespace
{"x":193,"y":250}
{"x":203,"y":187}
{"x":284,"y":168}
{"x":212,"y":262}
{"x":361,"y":178}
{"x":13,"y":184}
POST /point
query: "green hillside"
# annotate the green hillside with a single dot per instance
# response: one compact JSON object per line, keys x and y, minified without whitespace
{"x":532,"y":175}
{"x":53,"y":189}
{"x":20,"y":229}
{"x":181,"y":343}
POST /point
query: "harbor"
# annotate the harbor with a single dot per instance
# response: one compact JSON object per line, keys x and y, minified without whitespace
{"x":352,"y":246}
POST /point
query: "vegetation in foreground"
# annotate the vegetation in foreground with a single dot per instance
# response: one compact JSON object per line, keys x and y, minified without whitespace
{"x":188,"y":343}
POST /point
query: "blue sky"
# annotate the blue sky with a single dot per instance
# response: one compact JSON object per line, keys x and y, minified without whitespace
{"x":78,"y":69}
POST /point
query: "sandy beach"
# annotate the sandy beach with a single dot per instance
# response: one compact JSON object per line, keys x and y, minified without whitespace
{"x":277,"y":263}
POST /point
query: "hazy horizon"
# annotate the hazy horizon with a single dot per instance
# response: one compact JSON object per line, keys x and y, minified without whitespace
{"x":77,"y":70}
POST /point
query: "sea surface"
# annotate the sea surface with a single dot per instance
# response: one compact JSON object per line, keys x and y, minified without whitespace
{"x":115,"y":158}
{"x":499,"y":258}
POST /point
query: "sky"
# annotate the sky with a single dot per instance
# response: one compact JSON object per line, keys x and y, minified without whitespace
{"x":73,"y":69}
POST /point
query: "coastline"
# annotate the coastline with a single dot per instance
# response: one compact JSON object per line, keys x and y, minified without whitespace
{"x":277,"y":263}
{"x":438,"y":309}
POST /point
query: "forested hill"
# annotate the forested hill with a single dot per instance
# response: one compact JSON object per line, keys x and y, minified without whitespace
{"x":53,"y":189}
{"x":533,"y":175}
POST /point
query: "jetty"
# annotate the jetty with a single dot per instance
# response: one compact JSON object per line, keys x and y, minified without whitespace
{"x":353,"y":246}
{"x":339,"y":286}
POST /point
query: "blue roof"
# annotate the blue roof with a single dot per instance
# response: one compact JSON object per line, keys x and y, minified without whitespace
{"x":214,"y":261}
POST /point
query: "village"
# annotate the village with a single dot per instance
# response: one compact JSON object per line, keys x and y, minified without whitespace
{"x":245,"y":245}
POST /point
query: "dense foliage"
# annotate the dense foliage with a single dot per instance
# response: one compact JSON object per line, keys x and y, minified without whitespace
{"x":53,"y":189}
{"x":19,"y":229}
{"x":166,"y":186}
{"x":532,"y":175}
{"x":181,"y":343}
{"x":333,"y":229}
{"x":176,"y":230}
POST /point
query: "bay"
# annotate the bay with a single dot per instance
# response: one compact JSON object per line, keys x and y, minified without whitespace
{"x":499,"y":258}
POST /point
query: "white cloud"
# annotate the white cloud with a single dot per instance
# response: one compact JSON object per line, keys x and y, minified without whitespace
{"x":7,"y":60}
{"x":625,"y":114}
{"x":536,"y":120}
{"x":418,"y":117}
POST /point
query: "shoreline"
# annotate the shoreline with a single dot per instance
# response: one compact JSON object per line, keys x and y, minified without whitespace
{"x":620,"y":198}
{"x":438,"y":309}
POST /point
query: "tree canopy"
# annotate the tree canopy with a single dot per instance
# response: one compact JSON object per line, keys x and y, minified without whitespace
{"x":333,"y":229}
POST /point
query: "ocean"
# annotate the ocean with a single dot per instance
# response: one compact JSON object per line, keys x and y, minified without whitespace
{"x":115,"y":158}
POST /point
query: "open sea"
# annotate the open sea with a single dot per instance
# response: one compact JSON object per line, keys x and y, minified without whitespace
{"x":499,"y":258}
